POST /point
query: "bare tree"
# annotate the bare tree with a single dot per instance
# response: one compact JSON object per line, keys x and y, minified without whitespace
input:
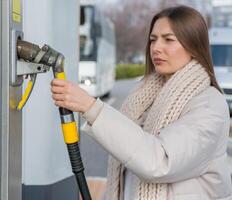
{"x":132,"y":20}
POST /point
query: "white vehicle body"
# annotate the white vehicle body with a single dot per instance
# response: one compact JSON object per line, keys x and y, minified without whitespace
{"x":97,"y":51}
{"x":221,"y":46}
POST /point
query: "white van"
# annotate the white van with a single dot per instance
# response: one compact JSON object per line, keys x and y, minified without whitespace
{"x":221,"y":47}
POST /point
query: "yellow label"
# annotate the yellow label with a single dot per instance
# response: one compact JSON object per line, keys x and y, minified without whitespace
{"x":16,"y":18}
{"x":16,"y":8}
{"x":70,"y":132}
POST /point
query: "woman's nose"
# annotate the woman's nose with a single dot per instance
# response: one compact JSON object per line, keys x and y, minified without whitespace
{"x":156,"y":46}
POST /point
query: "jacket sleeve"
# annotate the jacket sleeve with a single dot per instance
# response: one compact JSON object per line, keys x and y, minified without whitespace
{"x":181,"y":151}
{"x":91,"y":114}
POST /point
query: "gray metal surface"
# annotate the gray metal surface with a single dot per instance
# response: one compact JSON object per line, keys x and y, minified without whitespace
{"x":67,"y":118}
{"x":11,"y":120}
{"x":62,"y":190}
{"x":24,"y":68}
{"x":14,"y":79}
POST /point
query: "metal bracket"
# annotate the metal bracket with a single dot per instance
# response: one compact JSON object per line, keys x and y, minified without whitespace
{"x":14,"y":79}
{"x":25,"y":68}
{"x":19,"y":68}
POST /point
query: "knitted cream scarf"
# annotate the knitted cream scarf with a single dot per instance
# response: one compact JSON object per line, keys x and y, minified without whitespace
{"x":166,"y":101}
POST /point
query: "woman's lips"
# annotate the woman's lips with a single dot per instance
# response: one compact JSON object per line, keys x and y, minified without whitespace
{"x":158,"y":61}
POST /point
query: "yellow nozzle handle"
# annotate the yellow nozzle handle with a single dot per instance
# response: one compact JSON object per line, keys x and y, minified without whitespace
{"x":70,"y":130}
{"x":61,"y":76}
{"x":27,"y":93}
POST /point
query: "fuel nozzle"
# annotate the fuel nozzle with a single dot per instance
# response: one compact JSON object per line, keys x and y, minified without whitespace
{"x":26,"y":50}
{"x":46,"y":55}
{"x":37,"y":60}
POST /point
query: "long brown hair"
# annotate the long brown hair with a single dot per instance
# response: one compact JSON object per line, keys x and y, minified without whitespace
{"x":191,"y":31}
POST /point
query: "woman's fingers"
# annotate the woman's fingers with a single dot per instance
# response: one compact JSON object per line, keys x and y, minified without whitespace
{"x":57,"y":89}
{"x":59,"y":82}
{"x":59,"y":104}
{"x":67,"y":105}
{"x":59,"y":97}
{"x":69,"y":95}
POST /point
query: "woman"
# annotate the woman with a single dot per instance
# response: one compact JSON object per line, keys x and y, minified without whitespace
{"x":169,"y":140}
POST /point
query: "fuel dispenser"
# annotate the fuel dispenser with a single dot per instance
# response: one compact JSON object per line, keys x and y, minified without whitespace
{"x":19,"y":19}
{"x":33,"y":60}
{"x":10,"y":119}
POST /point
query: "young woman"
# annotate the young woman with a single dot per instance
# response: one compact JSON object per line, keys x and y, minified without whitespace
{"x":169,"y":140}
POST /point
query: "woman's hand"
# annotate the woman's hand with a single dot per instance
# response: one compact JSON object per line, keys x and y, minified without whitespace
{"x":69,"y":95}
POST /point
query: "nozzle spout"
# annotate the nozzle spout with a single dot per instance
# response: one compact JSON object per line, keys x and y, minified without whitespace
{"x":45,"y":55}
{"x":26,"y":50}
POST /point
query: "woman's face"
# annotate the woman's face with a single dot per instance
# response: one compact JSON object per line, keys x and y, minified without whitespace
{"x":167,"y":53}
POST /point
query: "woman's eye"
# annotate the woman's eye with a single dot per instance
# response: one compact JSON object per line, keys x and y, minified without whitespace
{"x":169,"y":40}
{"x":152,"y":40}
